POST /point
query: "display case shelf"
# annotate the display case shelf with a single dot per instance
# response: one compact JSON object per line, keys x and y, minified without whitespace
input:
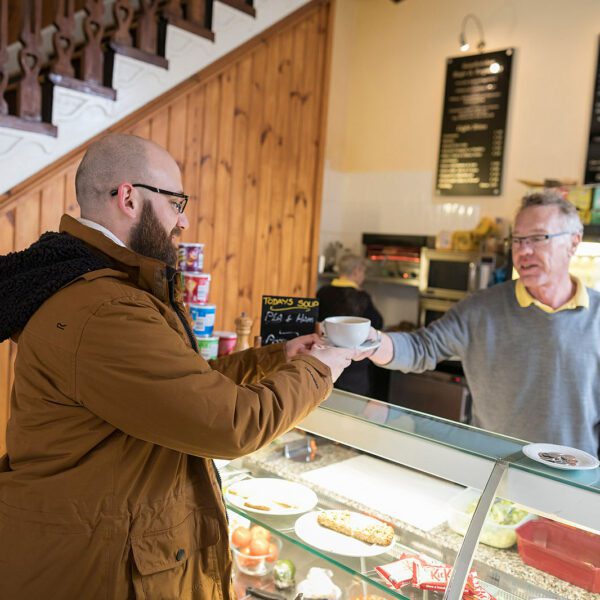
{"x":352,"y":430}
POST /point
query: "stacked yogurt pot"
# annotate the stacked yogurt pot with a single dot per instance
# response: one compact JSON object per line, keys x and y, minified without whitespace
{"x":190,"y":261}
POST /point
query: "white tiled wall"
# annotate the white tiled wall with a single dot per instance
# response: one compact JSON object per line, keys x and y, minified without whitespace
{"x":387,"y":202}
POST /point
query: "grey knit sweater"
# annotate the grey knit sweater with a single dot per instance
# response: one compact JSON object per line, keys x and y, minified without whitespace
{"x":533,"y":375}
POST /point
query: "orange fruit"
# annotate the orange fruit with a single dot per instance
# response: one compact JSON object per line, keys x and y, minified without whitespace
{"x":245,"y":559}
{"x":259,"y":547}
{"x":240,"y":537}
{"x":260,"y":532}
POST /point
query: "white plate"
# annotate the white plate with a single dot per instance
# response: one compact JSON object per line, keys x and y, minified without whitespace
{"x":308,"y":529}
{"x":270,"y":493}
{"x":364,"y":347}
{"x":585,"y":460}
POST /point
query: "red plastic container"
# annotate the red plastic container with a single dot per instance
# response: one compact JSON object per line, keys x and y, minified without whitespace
{"x":565,"y":552}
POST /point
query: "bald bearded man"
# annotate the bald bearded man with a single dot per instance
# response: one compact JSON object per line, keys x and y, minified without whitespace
{"x":108,"y":489}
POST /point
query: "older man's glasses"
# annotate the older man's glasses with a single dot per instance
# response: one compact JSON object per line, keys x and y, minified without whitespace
{"x":537,"y":240}
{"x":177,"y":206}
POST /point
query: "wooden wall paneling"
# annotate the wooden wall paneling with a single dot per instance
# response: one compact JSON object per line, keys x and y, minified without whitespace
{"x":223,"y":206}
{"x":263,"y":262}
{"x":7,"y":244}
{"x":53,"y":204}
{"x":248,"y":262}
{"x":306,"y":199}
{"x":159,"y":127}
{"x":191,"y":176}
{"x":280,"y":169}
{"x":289,"y":255}
{"x":177,"y":127}
{"x":208,"y":172}
{"x":322,"y":80}
{"x":178,"y":113}
{"x":27,"y":219}
{"x":142,"y":129}
{"x":235,"y":242}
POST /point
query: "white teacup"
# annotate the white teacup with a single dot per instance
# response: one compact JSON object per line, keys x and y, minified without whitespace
{"x":347,"y":332}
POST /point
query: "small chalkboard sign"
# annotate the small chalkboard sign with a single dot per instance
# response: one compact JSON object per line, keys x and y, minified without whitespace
{"x":285,"y":318}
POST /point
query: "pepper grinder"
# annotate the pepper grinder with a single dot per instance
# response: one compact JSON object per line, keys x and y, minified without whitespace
{"x":243,"y":325}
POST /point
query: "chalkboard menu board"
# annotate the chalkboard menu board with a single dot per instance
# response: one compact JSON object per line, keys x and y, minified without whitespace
{"x":592,"y":165}
{"x":474,"y":124}
{"x":285,"y":318}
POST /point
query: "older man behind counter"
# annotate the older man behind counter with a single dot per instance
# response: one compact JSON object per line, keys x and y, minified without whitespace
{"x":529,"y":347}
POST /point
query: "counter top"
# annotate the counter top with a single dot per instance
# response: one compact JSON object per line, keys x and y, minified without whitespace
{"x":506,"y":562}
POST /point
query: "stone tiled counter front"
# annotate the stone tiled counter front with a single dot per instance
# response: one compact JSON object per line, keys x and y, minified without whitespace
{"x":443,"y":540}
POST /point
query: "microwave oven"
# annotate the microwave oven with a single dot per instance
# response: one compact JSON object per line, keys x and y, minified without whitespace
{"x":451,"y":274}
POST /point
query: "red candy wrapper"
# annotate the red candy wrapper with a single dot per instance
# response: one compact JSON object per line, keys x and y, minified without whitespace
{"x":431,"y":577}
{"x":397,"y":573}
{"x":426,"y":574}
{"x":479,"y":593}
{"x":400,"y":572}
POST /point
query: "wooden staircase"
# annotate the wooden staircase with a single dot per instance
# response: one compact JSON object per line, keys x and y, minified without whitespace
{"x":85,"y":62}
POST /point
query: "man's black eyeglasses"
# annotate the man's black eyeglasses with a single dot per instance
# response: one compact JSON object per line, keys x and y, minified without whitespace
{"x":179,"y":206}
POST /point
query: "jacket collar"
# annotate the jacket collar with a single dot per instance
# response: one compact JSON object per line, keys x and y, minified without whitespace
{"x":146,"y":273}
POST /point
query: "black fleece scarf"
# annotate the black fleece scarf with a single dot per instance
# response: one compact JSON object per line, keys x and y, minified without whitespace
{"x":28,"y":278}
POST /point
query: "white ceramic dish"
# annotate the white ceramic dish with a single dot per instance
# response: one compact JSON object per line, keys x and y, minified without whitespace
{"x":308,"y":529}
{"x":364,"y":347}
{"x":278,"y":496}
{"x":584,"y":460}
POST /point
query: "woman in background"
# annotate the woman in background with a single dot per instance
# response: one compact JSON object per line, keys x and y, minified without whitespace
{"x":344,"y":297}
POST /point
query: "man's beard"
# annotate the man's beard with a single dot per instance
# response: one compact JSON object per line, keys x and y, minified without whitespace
{"x":151,"y":239}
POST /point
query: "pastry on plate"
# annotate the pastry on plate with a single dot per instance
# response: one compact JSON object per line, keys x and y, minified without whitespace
{"x":363,"y":528}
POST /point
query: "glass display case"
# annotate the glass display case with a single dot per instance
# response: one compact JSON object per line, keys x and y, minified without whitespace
{"x":469,"y":515}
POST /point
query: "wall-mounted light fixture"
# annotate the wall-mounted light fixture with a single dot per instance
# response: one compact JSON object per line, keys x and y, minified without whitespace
{"x":464,"y":44}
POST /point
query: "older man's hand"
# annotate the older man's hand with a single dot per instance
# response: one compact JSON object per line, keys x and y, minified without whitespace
{"x":383,"y":353}
{"x":301,"y":345}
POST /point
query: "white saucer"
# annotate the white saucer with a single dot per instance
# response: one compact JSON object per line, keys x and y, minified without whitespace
{"x":584,"y":460}
{"x":364,"y":347}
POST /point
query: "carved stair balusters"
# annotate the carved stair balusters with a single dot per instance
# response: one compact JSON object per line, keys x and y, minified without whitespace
{"x":149,"y":38}
{"x":62,"y":73}
{"x":197,"y":19}
{"x":93,"y":26}
{"x":147,"y":27}
{"x":123,"y":13}
{"x":29,"y":92}
{"x":172,"y":8}
{"x":63,"y":38}
{"x":28,"y":104}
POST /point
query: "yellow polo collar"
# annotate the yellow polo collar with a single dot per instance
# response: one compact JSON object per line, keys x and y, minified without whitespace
{"x":343,"y":282}
{"x":580,"y":299}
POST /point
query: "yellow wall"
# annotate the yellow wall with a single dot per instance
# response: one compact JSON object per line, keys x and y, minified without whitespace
{"x":386,"y":98}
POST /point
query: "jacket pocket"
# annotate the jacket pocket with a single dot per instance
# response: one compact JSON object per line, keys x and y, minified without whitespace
{"x":179,"y":562}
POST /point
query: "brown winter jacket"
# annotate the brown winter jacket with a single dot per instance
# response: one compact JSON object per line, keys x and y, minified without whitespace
{"x":108,"y":490}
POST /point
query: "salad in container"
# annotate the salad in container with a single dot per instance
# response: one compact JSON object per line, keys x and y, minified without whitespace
{"x":499,"y":529}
